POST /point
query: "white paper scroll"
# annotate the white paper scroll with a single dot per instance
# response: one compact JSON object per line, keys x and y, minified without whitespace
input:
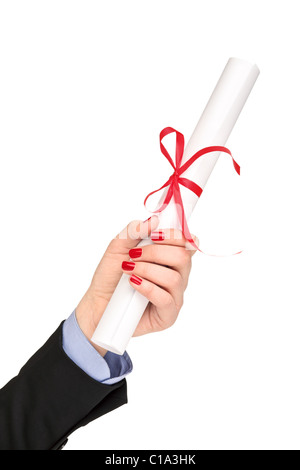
{"x":126,"y":306}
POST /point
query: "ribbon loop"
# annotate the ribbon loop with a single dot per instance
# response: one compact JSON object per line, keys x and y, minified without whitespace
{"x":176,"y":179}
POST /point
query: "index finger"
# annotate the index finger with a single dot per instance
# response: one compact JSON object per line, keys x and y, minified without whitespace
{"x":174,"y":237}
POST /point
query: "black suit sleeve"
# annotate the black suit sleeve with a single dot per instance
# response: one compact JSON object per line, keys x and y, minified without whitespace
{"x":50,"y":398}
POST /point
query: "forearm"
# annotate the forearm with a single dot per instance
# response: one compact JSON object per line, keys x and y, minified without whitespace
{"x":50,"y":398}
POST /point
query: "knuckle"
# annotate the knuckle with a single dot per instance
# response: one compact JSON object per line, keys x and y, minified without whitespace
{"x":176,"y":279}
{"x":148,"y":289}
{"x":167,"y":300}
{"x":179,"y":304}
{"x":151,"y":251}
{"x":168,"y":322}
{"x":146,"y":270}
{"x":183,"y":257}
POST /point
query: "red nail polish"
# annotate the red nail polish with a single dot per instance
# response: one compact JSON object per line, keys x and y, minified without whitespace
{"x":147,"y":219}
{"x":135,"y":252}
{"x":136,"y":280}
{"x":128,"y":265}
{"x":157,"y":236}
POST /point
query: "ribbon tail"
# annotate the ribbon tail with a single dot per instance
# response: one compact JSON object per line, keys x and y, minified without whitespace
{"x":176,"y":179}
{"x":182,"y":217}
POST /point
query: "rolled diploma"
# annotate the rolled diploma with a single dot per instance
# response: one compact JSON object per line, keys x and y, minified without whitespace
{"x":127,"y":306}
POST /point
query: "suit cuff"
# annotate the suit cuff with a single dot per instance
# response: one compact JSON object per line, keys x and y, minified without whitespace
{"x":108,"y":370}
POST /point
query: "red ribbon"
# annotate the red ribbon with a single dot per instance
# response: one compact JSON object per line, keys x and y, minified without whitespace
{"x":176,"y":179}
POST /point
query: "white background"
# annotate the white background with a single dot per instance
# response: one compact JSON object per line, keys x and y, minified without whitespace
{"x":85,"y":88}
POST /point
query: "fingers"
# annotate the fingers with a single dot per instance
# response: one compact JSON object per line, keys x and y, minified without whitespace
{"x":160,"y":272}
{"x":175,"y":257}
{"x":162,"y":276}
{"x":173,"y":237}
{"x":160,"y":298}
{"x":166,"y":263}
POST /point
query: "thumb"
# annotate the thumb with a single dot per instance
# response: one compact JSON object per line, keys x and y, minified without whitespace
{"x":133,"y":233}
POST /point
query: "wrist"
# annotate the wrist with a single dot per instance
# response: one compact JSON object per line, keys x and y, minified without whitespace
{"x":88,"y":314}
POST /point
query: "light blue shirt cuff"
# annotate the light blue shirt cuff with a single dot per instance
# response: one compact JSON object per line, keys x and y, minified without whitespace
{"x":108,"y":369}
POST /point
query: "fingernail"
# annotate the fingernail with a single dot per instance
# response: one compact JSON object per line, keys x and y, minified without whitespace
{"x":128,"y":265}
{"x":156,"y":236}
{"x":136,"y":280}
{"x":135,"y":252}
{"x":147,"y":219}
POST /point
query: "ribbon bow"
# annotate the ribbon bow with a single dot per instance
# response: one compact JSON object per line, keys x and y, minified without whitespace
{"x":176,"y":179}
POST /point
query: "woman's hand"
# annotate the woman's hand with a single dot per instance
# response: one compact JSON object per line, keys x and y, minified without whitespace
{"x":159,"y":271}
